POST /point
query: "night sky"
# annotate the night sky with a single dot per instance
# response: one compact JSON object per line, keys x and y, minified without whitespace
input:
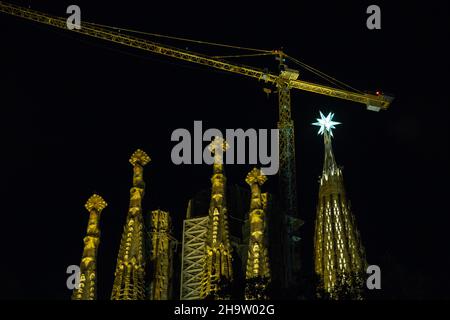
{"x":73,"y":109}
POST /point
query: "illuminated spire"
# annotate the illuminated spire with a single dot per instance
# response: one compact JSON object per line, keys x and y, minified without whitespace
{"x":327,"y":125}
{"x":218,"y":271}
{"x":87,"y":289}
{"x":338,"y":253}
{"x":258,"y":272}
{"x":130,"y":269}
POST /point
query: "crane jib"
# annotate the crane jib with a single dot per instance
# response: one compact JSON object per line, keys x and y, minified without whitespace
{"x":373,"y":102}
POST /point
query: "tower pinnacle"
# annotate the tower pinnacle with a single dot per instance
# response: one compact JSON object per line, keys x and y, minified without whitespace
{"x":338,"y":253}
{"x":95,"y":202}
{"x":139,"y":157}
{"x":87,"y":289}
{"x":218,"y":146}
{"x":326,"y":124}
{"x":130,"y":269}
{"x":218,"y":272}
{"x":258,"y":272}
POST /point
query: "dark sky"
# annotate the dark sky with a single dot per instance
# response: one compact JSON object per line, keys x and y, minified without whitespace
{"x":73,"y":109}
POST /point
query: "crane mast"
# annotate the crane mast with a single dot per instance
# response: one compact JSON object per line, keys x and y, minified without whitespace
{"x":284,"y":81}
{"x":287,"y":183}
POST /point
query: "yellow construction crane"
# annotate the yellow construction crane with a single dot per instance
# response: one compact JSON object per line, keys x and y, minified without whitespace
{"x":284,"y":80}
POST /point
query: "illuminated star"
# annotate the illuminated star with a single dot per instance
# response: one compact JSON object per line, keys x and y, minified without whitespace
{"x":326,"y":123}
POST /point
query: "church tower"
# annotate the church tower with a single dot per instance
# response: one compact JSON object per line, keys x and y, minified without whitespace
{"x":218,"y":272}
{"x":87,"y":289}
{"x":129,"y":282}
{"x":258,"y":272}
{"x":338,"y":253}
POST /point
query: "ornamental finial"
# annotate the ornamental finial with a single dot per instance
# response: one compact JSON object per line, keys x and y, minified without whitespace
{"x":95,"y":202}
{"x":139,"y":157}
{"x":326,"y":123}
{"x":218,"y":143}
{"x":255,"y":176}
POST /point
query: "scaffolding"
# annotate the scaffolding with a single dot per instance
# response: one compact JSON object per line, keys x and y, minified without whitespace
{"x":195,"y":232}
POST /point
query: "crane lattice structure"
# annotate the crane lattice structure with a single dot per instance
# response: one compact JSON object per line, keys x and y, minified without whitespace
{"x":284,"y":80}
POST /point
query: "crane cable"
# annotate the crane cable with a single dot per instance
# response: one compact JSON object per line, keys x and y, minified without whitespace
{"x":322,"y":74}
{"x":244,"y":55}
{"x":93,"y":26}
{"x":262,"y":52}
{"x":179,"y":38}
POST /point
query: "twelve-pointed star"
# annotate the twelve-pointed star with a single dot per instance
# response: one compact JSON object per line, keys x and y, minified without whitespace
{"x":326,"y":123}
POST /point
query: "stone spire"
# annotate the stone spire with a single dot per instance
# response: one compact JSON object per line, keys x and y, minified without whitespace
{"x":87,"y":289}
{"x":130,"y":270}
{"x":338,"y":253}
{"x":218,"y":271}
{"x":258,"y":271}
